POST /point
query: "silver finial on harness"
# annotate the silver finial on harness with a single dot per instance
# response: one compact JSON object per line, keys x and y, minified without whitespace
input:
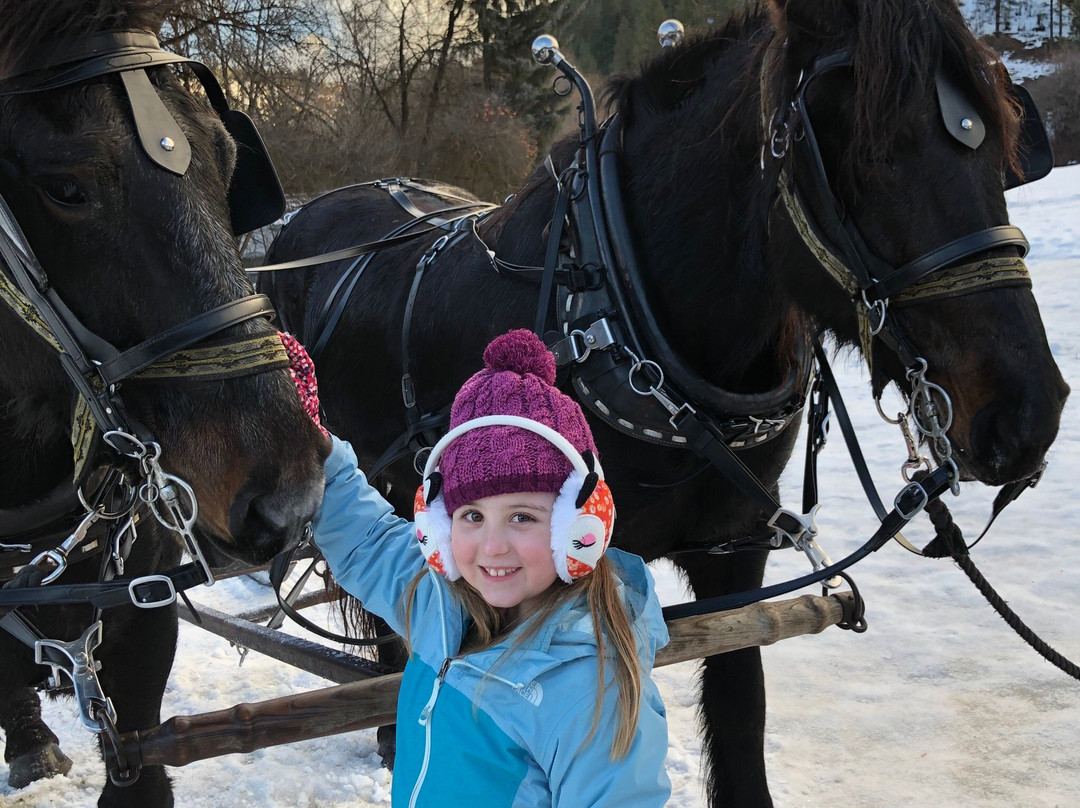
{"x":545,"y":48}
{"x":670,"y":32}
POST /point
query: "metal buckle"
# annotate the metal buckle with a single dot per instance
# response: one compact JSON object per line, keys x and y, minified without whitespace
{"x":82,"y":673}
{"x":807,"y":525}
{"x":152,"y":581}
{"x":909,"y":491}
{"x":804,"y":542}
{"x":578,"y":344}
{"x":58,"y":556}
{"x":880,"y":307}
{"x":408,"y":394}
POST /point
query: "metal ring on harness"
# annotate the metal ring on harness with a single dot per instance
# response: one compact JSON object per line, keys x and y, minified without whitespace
{"x":121,"y":773}
{"x":420,"y":459}
{"x":879,"y":307}
{"x":638,"y":365}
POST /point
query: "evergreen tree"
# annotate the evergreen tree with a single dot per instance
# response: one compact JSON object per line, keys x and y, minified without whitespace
{"x":635,"y":38}
{"x":610,"y":36}
{"x":505,"y":30}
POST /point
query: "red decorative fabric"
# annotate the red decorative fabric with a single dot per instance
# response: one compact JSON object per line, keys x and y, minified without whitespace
{"x":302,"y":371}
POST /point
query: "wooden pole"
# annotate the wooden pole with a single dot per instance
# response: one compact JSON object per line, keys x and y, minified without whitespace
{"x":335,"y":665}
{"x":372,"y":702}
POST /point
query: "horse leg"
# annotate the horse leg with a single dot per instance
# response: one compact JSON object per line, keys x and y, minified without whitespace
{"x":363,"y":623}
{"x":393,"y":654}
{"x":136,"y":657}
{"x":732,"y":707}
{"x":32,"y":751}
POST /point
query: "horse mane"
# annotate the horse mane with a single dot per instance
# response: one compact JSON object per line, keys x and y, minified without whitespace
{"x":669,"y":80}
{"x":25,"y":30}
{"x":897,"y":48}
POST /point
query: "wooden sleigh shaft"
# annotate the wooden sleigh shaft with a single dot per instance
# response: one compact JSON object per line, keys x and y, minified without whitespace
{"x":372,"y":702}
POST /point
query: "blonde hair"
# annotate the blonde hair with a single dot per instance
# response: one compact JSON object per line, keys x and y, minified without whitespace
{"x":610,"y":623}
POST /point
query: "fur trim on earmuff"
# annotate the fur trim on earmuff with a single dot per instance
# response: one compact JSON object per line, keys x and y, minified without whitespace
{"x":563,"y":514}
{"x":433,"y":525}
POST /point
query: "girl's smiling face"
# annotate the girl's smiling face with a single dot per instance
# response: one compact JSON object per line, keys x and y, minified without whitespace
{"x":502,"y":545}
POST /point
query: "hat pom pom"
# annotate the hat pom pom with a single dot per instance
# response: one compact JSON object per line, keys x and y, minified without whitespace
{"x":521,"y":351}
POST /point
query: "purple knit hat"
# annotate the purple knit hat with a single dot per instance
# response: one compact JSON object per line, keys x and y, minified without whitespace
{"x":518,"y":379}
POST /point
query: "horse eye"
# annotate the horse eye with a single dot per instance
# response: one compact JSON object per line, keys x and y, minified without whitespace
{"x":64,"y":191}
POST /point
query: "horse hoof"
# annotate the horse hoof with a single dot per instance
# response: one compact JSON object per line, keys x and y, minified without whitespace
{"x":48,"y":761}
{"x":387,"y":751}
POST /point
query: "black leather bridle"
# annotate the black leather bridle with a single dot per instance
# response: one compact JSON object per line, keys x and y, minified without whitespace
{"x":836,"y":241}
{"x":95,"y":366}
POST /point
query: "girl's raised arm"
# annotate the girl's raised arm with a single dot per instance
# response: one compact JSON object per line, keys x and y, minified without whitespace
{"x":372,"y":553}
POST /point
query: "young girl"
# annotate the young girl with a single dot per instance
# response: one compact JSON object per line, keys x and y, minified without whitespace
{"x":528,"y":681}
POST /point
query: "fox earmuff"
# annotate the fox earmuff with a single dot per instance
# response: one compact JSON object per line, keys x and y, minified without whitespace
{"x":582,"y":518}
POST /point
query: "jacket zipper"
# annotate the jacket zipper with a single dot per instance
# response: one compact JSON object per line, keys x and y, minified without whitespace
{"x":425,"y":722}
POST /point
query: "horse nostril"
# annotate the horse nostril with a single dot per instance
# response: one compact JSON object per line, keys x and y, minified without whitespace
{"x":268,"y":517}
{"x":987,"y":442}
{"x":1010,"y":439}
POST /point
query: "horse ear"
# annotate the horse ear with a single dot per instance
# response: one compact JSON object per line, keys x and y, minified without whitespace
{"x":798,"y":21}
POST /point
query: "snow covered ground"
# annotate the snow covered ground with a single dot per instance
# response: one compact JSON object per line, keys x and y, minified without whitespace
{"x":938,"y":704}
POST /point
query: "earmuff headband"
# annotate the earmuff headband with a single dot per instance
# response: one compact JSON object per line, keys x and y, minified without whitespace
{"x":544,"y":431}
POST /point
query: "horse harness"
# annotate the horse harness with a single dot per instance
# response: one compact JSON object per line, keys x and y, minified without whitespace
{"x":99,"y":510}
{"x":606,"y":331}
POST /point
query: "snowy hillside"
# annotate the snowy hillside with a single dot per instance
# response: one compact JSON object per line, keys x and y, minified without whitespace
{"x":1025,"y":21}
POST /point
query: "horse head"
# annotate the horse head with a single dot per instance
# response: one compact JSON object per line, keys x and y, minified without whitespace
{"x":891,"y":130}
{"x":134,"y":249}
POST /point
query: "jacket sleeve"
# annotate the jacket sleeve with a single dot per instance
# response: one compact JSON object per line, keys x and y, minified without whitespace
{"x":587,"y":776}
{"x":371,"y":552}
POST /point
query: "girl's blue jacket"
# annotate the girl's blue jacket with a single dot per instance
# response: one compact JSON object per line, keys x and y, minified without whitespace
{"x":482,"y":729}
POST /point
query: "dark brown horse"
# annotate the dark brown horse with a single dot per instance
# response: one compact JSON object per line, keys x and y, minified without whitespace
{"x":734,"y":278}
{"x":133,"y":250}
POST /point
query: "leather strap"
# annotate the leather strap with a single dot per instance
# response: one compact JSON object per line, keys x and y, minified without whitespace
{"x":104,"y":595}
{"x":894,"y":521}
{"x":160,"y":135}
{"x":183,"y":335}
{"x":551,"y":259}
{"x":991,"y":238}
{"x":58,"y":53}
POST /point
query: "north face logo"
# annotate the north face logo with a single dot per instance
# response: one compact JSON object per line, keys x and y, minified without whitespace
{"x":532,"y":693}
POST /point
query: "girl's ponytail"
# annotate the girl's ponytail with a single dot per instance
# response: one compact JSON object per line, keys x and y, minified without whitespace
{"x":610,"y":621}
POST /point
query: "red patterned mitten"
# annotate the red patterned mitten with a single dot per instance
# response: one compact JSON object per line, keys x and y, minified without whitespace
{"x":302,"y":371}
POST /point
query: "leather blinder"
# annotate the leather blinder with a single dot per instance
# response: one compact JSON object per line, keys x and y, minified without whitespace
{"x":160,"y":135}
{"x":959,"y":115}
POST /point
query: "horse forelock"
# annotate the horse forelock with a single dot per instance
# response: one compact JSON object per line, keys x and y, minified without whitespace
{"x":899,"y":47}
{"x":25,"y":31}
